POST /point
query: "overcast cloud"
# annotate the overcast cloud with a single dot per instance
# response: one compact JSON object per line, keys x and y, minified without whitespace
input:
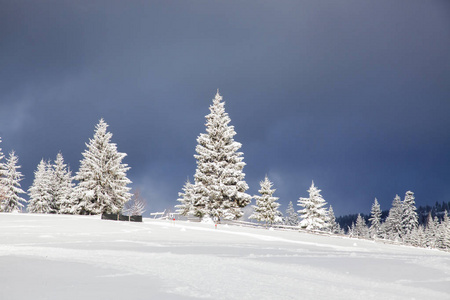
{"x":354,"y":95}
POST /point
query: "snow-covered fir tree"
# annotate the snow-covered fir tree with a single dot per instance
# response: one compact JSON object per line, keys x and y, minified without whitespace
{"x":103,"y":183}
{"x":39,"y":191}
{"x":410,"y":220}
{"x":136,"y":205}
{"x":393,"y":225}
{"x":440,"y":234}
{"x":361,"y":230}
{"x":291,"y":218}
{"x":436,"y":232}
{"x":186,"y":199}
{"x":417,"y":237}
{"x":333,"y":227}
{"x":51,"y":187}
{"x":431,"y":231}
{"x":61,"y":186}
{"x":375,"y":220}
{"x":313,"y":214}
{"x":446,"y":231}
{"x":3,"y":172}
{"x":351,"y":230}
{"x":266,"y":208}
{"x":12,"y":202}
{"x":220,"y":187}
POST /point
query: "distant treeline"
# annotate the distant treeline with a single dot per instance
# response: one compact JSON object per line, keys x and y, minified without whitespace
{"x":437,"y":210}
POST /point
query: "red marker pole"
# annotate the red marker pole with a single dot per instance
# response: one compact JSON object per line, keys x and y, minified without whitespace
{"x":215,"y":226}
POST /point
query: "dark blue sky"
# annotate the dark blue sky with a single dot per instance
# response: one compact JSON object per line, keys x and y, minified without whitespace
{"x":352,"y":94}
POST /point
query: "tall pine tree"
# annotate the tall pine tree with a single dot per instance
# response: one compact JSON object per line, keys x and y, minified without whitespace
{"x":103,"y":183}
{"x":61,"y":186}
{"x":314,"y":213}
{"x":375,"y":220}
{"x":266,"y":208}
{"x":220,"y":188}
{"x":39,"y":191}
{"x":12,"y":202}
{"x":393,"y":225}
{"x":410,"y":219}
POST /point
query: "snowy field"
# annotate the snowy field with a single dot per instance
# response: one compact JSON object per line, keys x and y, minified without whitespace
{"x":78,"y":257}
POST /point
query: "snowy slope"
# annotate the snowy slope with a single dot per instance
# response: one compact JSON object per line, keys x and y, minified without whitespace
{"x":78,"y":257}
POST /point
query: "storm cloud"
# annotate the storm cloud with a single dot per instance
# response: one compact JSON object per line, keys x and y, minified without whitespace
{"x":354,"y":95}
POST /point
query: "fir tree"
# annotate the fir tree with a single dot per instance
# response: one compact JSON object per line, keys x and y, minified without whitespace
{"x":3,"y":173}
{"x":410,"y":220}
{"x":266,"y":209}
{"x":39,"y":191}
{"x":440,"y":234}
{"x":431,"y":232}
{"x":393,"y":226}
{"x":219,"y":181}
{"x":417,"y":237}
{"x":375,"y":220}
{"x":61,"y":186}
{"x":50,"y":174}
{"x":186,"y":199}
{"x":333,"y":227}
{"x":351,"y":230}
{"x":291,"y":216}
{"x":12,"y":202}
{"x":446,"y":231}
{"x":136,"y":206}
{"x":313,"y":214}
{"x":102,"y":176}
{"x":361,"y":230}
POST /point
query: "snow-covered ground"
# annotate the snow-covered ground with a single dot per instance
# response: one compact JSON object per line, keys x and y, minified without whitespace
{"x":79,"y":257}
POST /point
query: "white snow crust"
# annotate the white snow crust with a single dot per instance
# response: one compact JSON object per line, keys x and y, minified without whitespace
{"x":83,"y":257}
